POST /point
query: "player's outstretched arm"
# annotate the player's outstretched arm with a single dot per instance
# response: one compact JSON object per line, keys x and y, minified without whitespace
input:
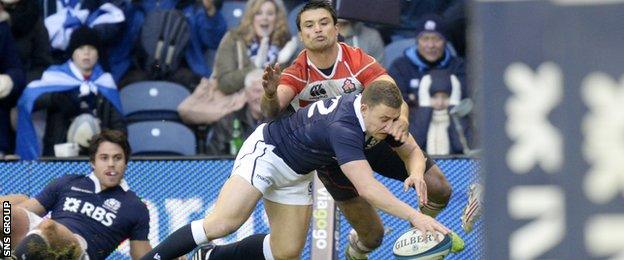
{"x":138,"y":248}
{"x":361,"y":175}
{"x":276,"y":97}
{"x":414,"y":160}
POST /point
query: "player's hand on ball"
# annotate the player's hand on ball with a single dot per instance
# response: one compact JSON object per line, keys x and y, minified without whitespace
{"x":400,"y":129}
{"x":427,"y":224}
{"x":270,"y":79}
{"x":418,"y":182}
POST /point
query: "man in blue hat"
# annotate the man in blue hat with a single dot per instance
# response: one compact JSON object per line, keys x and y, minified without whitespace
{"x":430,"y":52}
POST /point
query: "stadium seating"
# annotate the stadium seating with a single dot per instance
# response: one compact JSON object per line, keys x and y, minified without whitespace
{"x":152,"y":100}
{"x":395,"y":50}
{"x":161,"y":138}
{"x":233,"y":12}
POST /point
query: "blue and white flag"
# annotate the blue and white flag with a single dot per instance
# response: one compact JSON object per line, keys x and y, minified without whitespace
{"x":58,"y":78}
{"x":70,"y":17}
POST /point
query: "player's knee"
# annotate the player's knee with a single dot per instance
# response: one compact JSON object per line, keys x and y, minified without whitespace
{"x":218,"y":227}
{"x":372,"y":237}
{"x":438,"y":187}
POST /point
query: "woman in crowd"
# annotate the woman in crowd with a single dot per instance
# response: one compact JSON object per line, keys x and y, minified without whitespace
{"x":261,"y":38}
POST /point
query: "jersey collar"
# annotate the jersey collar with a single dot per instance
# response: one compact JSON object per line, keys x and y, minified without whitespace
{"x":97,"y":189}
{"x":357,"y":104}
{"x":338,"y":59}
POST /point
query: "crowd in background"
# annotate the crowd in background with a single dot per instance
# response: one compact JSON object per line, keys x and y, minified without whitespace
{"x":70,"y":59}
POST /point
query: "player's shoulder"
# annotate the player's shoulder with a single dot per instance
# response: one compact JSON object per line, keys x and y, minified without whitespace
{"x":68,"y":178}
{"x":136,"y":202}
{"x":297,"y":69}
{"x":354,"y":54}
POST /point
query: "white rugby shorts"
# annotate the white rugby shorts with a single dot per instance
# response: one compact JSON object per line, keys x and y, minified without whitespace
{"x":268,"y":173}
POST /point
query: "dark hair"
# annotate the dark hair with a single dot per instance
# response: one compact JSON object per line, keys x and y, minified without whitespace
{"x":113,"y":136}
{"x":317,"y":5}
{"x":382,"y":92}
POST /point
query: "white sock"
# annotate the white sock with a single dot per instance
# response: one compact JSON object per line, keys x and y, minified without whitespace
{"x":266,"y":248}
{"x":199,"y":235}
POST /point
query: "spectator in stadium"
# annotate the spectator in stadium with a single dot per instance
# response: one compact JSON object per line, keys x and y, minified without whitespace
{"x":432,"y":125}
{"x":12,"y":81}
{"x":90,"y":214}
{"x":207,"y":27}
{"x":324,"y":70}
{"x":250,"y":117}
{"x":105,"y":17}
{"x":430,"y":52}
{"x":261,"y":38}
{"x":277,"y":162}
{"x":359,"y":35}
{"x":31,"y":36}
{"x":79,"y":86}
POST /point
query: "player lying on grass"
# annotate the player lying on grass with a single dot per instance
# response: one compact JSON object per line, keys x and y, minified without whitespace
{"x":90,"y":214}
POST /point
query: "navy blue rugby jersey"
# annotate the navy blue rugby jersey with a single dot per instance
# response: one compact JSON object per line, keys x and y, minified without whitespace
{"x":326,"y":132}
{"x":103,"y":218}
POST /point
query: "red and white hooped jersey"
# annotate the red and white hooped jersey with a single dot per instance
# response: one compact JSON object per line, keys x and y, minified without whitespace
{"x":353,"y":70}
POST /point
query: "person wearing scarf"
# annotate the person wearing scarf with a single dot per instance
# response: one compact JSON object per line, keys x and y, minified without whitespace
{"x":67,"y":90}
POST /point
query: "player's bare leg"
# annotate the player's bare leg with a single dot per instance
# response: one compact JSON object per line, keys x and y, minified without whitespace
{"x":438,"y":192}
{"x":367,"y":224}
{"x":289,"y":227}
{"x":19,"y":225}
{"x":234,"y":205}
{"x":14,"y":199}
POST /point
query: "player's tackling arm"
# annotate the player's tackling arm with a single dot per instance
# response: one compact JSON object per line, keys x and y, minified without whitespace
{"x":276,"y":97}
{"x":273,"y":105}
{"x":360,"y":174}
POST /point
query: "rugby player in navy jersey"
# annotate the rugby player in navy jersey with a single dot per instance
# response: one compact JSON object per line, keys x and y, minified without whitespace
{"x":323,"y":70}
{"x":275,"y":163}
{"x":90,"y":214}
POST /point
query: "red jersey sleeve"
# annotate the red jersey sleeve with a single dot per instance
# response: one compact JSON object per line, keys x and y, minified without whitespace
{"x":295,"y":75}
{"x":365,"y":67}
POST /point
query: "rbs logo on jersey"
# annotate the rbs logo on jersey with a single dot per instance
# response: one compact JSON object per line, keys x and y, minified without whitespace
{"x":95,"y":212}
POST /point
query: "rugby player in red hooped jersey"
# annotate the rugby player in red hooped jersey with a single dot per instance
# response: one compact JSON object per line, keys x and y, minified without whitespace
{"x":326,"y":69}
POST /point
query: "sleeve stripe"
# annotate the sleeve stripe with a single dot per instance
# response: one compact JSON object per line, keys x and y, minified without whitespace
{"x":364,"y":68}
{"x":294,"y":77}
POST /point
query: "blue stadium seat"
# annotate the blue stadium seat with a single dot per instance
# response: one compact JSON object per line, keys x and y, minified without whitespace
{"x":395,"y":50}
{"x":233,"y":11}
{"x":152,"y":100}
{"x":161,"y":138}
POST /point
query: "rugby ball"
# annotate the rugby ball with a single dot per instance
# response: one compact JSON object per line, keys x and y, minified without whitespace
{"x":413,"y":244}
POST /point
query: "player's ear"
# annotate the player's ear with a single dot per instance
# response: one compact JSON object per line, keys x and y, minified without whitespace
{"x":363,"y":108}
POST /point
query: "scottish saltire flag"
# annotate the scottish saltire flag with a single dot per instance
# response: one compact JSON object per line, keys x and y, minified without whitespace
{"x":70,"y":17}
{"x":58,"y":78}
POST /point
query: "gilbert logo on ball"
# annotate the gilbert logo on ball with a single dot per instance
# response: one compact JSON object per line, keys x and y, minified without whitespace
{"x":413,"y":244}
